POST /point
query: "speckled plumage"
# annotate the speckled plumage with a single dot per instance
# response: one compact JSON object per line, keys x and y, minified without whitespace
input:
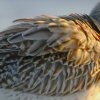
{"x":48,"y":55}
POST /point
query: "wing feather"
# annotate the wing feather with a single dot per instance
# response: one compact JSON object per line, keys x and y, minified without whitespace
{"x":50,"y":55}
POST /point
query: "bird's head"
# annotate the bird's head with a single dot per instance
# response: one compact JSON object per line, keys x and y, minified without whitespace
{"x":95,"y":14}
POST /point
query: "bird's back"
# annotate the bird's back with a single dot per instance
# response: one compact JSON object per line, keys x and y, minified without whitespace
{"x":47,"y":55}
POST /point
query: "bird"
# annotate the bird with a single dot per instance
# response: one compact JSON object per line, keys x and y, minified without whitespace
{"x":51,"y":58}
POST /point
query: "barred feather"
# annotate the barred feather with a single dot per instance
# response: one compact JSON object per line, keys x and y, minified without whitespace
{"x":50,"y":55}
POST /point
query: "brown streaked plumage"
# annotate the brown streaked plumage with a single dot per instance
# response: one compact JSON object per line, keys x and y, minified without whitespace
{"x":50,"y":55}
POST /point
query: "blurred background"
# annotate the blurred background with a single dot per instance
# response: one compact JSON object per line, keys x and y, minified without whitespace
{"x":14,"y":9}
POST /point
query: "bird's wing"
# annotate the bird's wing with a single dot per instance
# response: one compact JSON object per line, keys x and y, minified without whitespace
{"x":50,"y":55}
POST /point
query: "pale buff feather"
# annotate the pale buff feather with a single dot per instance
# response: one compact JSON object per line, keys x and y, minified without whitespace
{"x":74,"y":68}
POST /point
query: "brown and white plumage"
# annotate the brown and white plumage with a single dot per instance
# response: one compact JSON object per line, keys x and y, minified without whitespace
{"x":53,"y":56}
